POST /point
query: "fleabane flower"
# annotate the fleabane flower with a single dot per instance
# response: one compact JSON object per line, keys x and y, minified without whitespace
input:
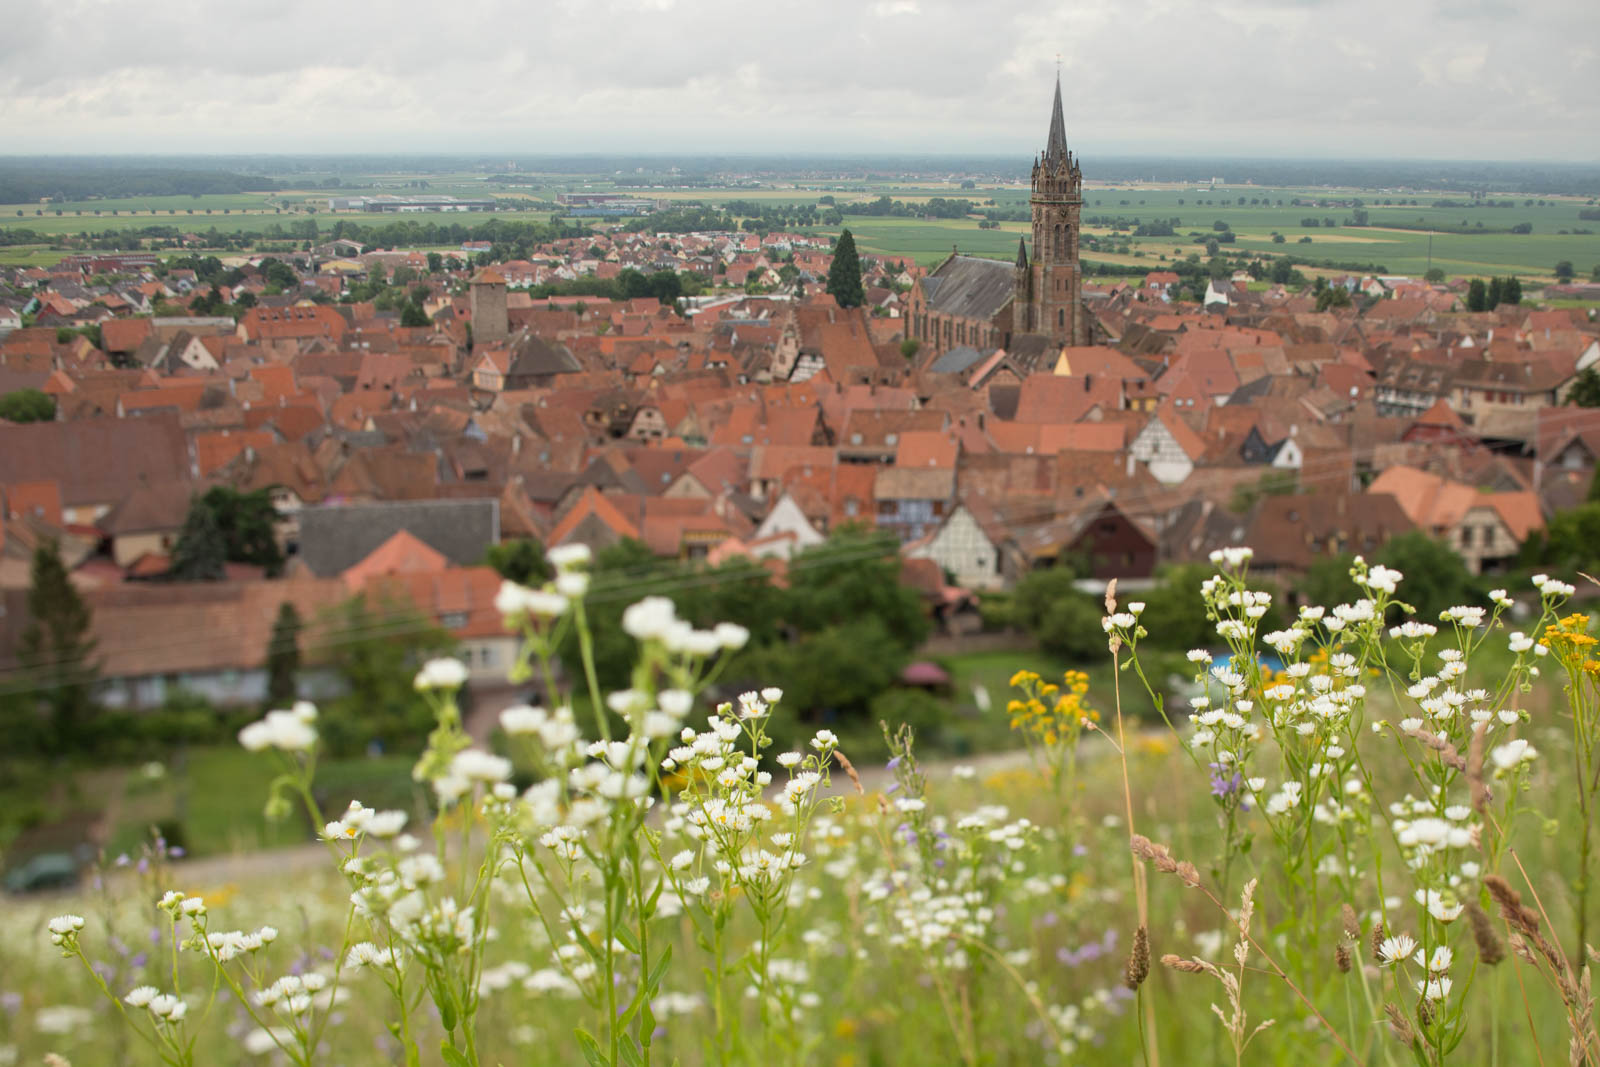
{"x":517,"y":602}
{"x":730,"y":635}
{"x":572,"y":584}
{"x":445,"y":672}
{"x":569,"y":557}
{"x":475,"y":765}
{"x":286,"y":730}
{"x":649,"y":619}
{"x":1397,"y":948}
{"x":141,"y":996}
{"x":1512,"y":754}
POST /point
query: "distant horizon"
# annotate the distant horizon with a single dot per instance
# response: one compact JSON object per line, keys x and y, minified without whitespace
{"x":798,"y":155}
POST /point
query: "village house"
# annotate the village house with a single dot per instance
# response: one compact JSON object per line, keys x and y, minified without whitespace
{"x":1486,"y":528}
{"x":1167,"y":446}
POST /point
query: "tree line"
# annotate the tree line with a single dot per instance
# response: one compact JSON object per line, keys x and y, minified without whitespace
{"x":22,"y":183}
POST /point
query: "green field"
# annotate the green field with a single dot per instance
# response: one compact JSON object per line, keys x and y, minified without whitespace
{"x":197,"y":219}
{"x":1197,"y":209}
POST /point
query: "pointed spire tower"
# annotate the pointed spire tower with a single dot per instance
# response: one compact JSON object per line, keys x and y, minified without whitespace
{"x":1055,"y":149}
{"x":1052,"y":304}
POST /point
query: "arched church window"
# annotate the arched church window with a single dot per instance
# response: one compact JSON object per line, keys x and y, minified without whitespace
{"x":1061,"y":317}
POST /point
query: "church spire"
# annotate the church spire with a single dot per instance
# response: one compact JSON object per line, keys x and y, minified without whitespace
{"x":1056,"y":147}
{"x":1022,"y":253}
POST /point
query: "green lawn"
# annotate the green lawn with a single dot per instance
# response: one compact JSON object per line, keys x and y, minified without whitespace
{"x":218,"y":795}
{"x":29,"y":256}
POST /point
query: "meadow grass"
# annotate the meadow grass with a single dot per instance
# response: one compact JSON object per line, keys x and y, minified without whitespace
{"x":1355,"y":807}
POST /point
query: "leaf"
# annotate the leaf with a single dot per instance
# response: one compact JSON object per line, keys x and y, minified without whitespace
{"x":653,"y":981}
{"x":444,"y":1002}
{"x":629,"y":941}
{"x":452,"y":1057}
{"x":591,"y":1049}
{"x":647,"y":1024}
{"x":655,"y":895}
{"x":630,"y":1052}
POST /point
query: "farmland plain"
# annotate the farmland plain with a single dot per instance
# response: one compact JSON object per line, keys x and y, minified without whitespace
{"x":1407,"y":232}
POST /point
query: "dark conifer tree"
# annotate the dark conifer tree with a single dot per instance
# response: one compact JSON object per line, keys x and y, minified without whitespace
{"x":283,"y":658}
{"x":844,"y":276}
{"x":202,"y":549}
{"x":57,"y":648}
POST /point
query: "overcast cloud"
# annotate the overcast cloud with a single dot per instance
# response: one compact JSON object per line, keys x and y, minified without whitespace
{"x":1474,"y":79}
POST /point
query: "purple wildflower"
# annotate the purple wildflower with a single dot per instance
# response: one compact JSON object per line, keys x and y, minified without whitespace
{"x":1223,"y":786}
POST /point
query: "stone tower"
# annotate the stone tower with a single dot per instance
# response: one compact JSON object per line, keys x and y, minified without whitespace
{"x":1021,"y":307}
{"x":1052,"y":303}
{"x":491,"y":324}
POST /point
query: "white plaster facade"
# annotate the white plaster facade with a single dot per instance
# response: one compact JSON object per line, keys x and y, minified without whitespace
{"x":1157,"y":448}
{"x":961,"y":547}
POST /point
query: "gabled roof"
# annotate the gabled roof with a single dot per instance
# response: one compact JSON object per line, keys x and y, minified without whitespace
{"x":1436,"y":504}
{"x":970,"y":287}
{"x":149,"y":507}
{"x":401,"y":554}
{"x":593,"y":503}
{"x":955,"y":360}
{"x":914,"y":483}
{"x":1441,"y":414}
{"x":1193,"y":444}
{"x":95,"y":460}
{"x":335,"y":538}
{"x":927,"y":448}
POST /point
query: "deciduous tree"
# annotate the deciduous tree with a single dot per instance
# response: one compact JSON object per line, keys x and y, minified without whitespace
{"x":27,"y":405}
{"x":1585,"y":390}
{"x":1436,"y":576}
{"x":520,"y":560}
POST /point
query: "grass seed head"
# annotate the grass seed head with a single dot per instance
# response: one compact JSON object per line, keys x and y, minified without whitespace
{"x":1399,"y":1025}
{"x":1490,"y":949}
{"x":1137,"y":969}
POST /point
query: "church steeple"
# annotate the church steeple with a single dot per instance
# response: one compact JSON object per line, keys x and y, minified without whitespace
{"x":1056,"y":145}
{"x":1055,"y":276}
{"x":1022,"y":253}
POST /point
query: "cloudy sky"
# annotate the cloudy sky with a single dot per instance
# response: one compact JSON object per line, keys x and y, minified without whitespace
{"x":1463,"y":79}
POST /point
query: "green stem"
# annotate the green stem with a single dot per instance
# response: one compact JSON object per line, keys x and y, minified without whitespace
{"x":586,"y":651}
